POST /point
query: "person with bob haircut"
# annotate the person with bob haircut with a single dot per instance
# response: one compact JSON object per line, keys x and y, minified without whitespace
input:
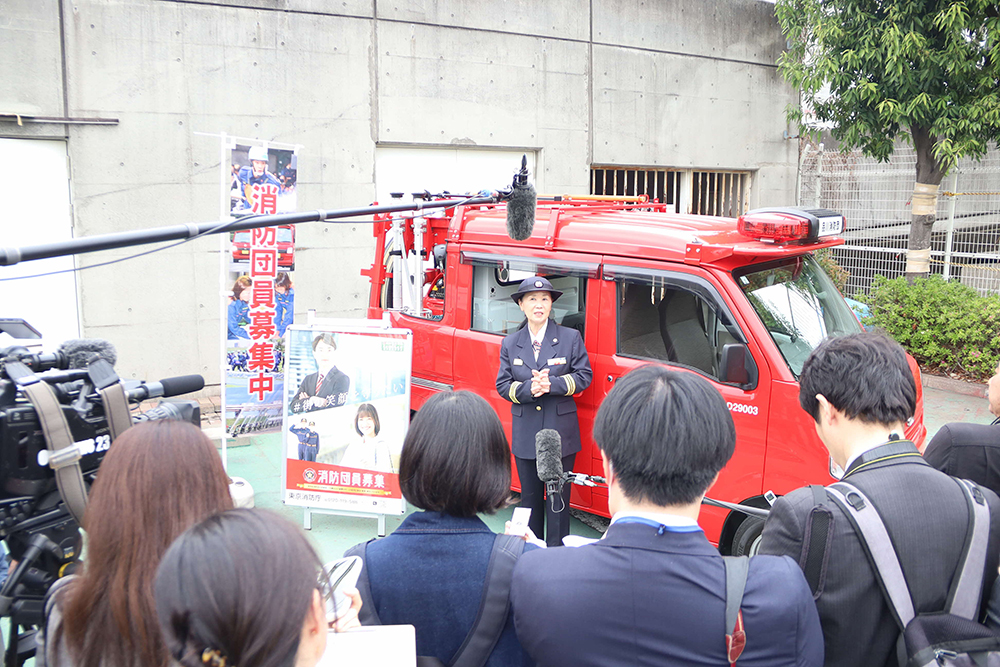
{"x":860,"y":392}
{"x":328,"y":387}
{"x":244,"y":588}
{"x":431,"y":571}
{"x":158,"y":479}
{"x":652,"y":591}
{"x":371,"y":452}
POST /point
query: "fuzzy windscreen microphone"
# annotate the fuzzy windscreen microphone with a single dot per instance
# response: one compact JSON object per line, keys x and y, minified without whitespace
{"x":548,"y":456}
{"x":81,"y":351}
{"x":521,"y":205}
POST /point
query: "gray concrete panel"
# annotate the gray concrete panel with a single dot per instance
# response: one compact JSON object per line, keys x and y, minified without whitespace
{"x":657,"y":109}
{"x":563,"y":19}
{"x":362,"y":8}
{"x":446,"y":86}
{"x":735,"y":29}
{"x":30,"y":58}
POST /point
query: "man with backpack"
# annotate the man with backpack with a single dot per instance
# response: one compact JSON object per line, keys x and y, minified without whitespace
{"x":895,"y":528}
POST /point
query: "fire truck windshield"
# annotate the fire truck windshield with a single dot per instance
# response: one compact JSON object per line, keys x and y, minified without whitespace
{"x":798,"y":304}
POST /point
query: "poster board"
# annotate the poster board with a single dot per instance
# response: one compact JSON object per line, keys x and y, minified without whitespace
{"x":346,"y":412}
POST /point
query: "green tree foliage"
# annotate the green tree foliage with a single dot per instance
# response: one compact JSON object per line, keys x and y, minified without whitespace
{"x":877,"y":70}
{"x":946,"y":326}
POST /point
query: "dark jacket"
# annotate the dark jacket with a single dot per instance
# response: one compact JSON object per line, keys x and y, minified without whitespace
{"x":642,"y":597}
{"x":926,"y":516}
{"x":335,"y":389}
{"x":566,"y":358}
{"x":430,"y":573}
{"x":968,"y":451}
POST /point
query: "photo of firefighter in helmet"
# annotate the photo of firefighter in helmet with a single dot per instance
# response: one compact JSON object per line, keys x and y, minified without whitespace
{"x":251,"y":179}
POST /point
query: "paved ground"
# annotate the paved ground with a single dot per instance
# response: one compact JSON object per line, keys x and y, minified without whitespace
{"x":258,"y":460}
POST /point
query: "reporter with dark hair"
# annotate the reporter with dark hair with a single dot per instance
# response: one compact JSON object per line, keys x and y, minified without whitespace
{"x":860,"y":392}
{"x":431,"y":572}
{"x":653,"y":590}
{"x":242,"y":589}
{"x":158,"y":479}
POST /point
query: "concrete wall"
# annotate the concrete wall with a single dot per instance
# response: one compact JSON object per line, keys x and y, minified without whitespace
{"x":671,"y":83}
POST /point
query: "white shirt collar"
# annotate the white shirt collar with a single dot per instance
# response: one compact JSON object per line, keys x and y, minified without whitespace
{"x":673,"y":520}
{"x":540,"y":338}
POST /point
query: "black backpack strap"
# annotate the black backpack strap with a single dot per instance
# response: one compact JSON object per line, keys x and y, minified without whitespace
{"x":736,"y":580}
{"x":816,"y":541}
{"x":870,"y":529}
{"x":966,"y":592}
{"x":494,"y":605}
{"x":368,"y":614}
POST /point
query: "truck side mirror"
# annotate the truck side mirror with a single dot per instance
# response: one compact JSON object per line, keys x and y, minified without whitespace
{"x":737,"y":366}
{"x":440,"y":256}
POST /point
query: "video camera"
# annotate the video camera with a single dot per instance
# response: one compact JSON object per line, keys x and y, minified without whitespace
{"x":59,"y":413}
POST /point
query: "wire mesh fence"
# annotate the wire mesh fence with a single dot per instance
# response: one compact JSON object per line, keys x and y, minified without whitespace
{"x":875,"y":198}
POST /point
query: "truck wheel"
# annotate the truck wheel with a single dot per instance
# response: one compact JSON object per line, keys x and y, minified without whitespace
{"x":746,"y":542}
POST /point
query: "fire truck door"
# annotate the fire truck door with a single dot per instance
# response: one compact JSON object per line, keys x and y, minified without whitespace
{"x":681,"y":319}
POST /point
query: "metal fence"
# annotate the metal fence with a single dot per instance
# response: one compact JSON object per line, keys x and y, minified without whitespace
{"x":875,"y":198}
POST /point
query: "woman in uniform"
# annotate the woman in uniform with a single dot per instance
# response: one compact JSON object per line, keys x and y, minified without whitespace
{"x":542,"y":366}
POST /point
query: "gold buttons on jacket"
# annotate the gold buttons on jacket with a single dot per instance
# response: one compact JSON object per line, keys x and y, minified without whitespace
{"x":538,"y":407}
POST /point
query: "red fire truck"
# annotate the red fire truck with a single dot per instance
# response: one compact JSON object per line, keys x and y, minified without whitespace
{"x":740,"y":302}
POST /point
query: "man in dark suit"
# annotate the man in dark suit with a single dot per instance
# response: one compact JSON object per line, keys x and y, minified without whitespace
{"x":542,"y":366}
{"x":653,"y":590}
{"x":860,"y":392}
{"x":328,"y":387}
{"x":971,"y":451}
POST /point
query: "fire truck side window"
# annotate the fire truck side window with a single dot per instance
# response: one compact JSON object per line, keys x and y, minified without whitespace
{"x":494,"y":311}
{"x":669,"y":323}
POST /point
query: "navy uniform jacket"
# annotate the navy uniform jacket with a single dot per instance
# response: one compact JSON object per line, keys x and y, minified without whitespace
{"x":566,"y":358}
{"x":926,"y":516}
{"x":639,"y":597}
{"x":334,"y":389}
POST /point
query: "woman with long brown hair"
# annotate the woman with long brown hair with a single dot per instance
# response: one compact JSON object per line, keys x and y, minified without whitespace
{"x":158,"y":479}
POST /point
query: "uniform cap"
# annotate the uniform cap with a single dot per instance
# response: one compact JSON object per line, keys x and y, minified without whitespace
{"x":535,"y":284}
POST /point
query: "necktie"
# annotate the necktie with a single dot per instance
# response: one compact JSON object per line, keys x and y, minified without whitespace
{"x":537,"y":347}
{"x":319,"y":381}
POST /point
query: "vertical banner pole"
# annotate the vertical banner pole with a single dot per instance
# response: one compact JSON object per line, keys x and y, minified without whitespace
{"x":225,"y":181}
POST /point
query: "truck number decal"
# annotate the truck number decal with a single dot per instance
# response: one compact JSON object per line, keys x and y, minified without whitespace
{"x":742,"y":407}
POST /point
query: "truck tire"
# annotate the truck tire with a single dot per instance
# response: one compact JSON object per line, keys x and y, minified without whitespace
{"x":746,"y":541}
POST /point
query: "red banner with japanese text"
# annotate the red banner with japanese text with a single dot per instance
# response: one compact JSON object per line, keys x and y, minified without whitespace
{"x":260,"y":305}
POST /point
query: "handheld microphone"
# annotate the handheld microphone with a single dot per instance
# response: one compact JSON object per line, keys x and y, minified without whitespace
{"x":521,"y":202}
{"x":548,"y":459}
{"x":165,"y":388}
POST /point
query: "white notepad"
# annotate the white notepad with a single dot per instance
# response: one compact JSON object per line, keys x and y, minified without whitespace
{"x":372,"y":646}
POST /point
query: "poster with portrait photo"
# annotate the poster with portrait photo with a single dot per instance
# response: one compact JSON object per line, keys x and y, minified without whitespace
{"x":347,"y":408}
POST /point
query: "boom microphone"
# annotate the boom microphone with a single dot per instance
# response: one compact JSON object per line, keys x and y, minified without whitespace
{"x":521,"y":204}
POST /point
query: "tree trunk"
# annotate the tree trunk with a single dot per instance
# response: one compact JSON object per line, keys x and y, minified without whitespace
{"x":923,"y":204}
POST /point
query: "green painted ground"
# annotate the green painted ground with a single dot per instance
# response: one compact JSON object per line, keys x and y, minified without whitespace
{"x":258,"y":460}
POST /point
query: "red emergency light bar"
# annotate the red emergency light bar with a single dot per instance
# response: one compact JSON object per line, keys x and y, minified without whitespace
{"x":780,"y":225}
